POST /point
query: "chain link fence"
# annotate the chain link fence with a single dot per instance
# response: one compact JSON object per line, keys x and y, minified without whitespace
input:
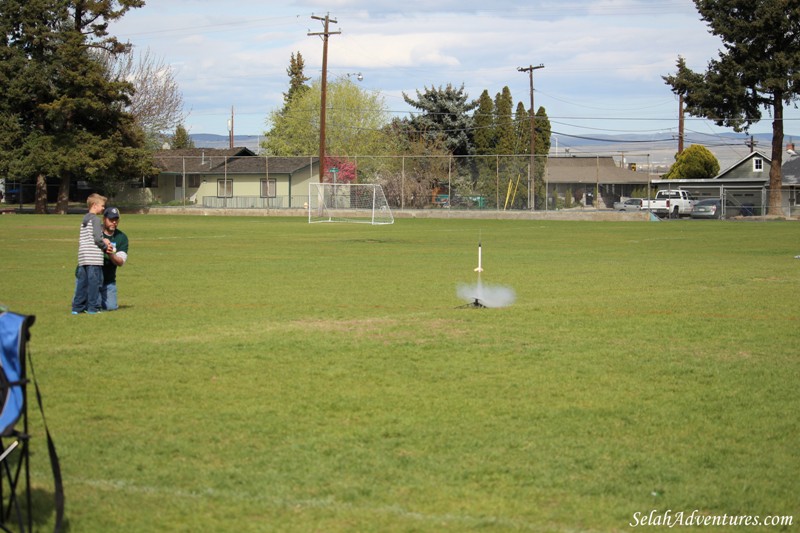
{"x":496,"y":182}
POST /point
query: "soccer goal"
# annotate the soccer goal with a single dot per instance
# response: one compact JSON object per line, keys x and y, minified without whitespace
{"x":348,"y":202}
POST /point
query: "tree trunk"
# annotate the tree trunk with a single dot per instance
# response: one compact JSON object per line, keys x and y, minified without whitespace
{"x":63,"y":196}
{"x":775,"y":175}
{"x":40,"y":203}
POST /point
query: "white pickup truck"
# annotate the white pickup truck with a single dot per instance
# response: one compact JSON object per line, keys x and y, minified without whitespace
{"x":672,"y":204}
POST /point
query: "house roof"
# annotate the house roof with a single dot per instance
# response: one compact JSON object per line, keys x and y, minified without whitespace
{"x":738,"y":173}
{"x":597,"y":169}
{"x":791,"y":171}
{"x":728,"y":172}
{"x":226,"y":161}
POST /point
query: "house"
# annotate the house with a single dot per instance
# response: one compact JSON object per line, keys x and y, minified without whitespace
{"x":228,"y":178}
{"x":587,"y":176}
{"x":790,"y":172}
{"x":744,"y":185}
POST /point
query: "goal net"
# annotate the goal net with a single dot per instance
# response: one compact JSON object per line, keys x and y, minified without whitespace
{"x":348,"y":202}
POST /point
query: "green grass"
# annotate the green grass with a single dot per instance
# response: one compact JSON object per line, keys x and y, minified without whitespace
{"x":265,"y":374}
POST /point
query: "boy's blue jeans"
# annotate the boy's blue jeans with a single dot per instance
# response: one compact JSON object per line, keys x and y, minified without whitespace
{"x":88,"y":280}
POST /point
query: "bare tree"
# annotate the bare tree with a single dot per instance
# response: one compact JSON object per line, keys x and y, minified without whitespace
{"x":157,"y":102}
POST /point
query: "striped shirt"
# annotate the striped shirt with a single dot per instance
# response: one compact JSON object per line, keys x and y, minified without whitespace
{"x":91,"y":245}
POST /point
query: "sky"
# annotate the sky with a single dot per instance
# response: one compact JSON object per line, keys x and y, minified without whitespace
{"x":603,"y":59}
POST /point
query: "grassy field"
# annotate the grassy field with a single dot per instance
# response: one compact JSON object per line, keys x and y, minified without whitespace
{"x":264,"y":374}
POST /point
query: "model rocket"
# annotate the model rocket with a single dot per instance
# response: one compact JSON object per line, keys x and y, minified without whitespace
{"x":480,"y":268}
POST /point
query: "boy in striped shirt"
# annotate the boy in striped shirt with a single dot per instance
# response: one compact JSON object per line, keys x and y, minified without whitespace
{"x":91,"y":251}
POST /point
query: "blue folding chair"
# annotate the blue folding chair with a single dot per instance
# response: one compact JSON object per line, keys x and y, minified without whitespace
{"x":15,"y":480}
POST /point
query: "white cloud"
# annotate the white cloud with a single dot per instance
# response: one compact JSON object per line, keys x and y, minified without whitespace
{"x":600,"y":56}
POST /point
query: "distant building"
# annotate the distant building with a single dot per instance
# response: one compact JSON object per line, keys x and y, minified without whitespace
{"x":586,"y":177}
{"x":745,"y":185}
{"x":234,"y":178}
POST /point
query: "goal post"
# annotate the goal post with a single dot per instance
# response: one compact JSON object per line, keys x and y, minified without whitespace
{"x":348,"y":202}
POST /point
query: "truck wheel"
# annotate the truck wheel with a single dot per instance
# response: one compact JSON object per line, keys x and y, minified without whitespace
{"x":676,"y":213}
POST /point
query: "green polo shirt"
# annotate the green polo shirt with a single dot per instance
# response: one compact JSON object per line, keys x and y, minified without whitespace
{"x":109,"y":268}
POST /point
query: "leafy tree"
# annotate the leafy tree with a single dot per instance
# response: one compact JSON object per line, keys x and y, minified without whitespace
{"x":355,"y":120}
{"x":420,"y":177}
{"x":445,"y":114}
{"x":696,"y":162}
{"x":758,"y":69}
{"x":345,"y":170}
{"x":181,"y":139}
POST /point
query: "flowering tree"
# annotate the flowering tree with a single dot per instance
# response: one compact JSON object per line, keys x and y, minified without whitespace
{"x":345,"y":170}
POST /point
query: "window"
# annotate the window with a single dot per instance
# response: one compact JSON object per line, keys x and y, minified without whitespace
{"x":224,"y":188}
{"x":268,"y":188}
{"x":758,"y":164}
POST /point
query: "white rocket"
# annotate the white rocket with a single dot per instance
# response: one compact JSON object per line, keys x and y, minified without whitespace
{"x":480,"y":268}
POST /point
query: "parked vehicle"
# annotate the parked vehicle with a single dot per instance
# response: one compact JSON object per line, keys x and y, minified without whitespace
{"x":707,"y":208}
{"x":672,"y":204}
{"x":631,"y":204}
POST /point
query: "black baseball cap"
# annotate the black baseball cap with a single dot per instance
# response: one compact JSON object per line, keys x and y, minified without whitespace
{"x":111,"y":212}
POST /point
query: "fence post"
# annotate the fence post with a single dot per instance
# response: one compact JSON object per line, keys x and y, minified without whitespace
{"x":402,"y":182}
{"x":497,"y":182}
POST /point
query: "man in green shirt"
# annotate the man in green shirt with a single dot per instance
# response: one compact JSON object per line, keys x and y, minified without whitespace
{"x":116,"y":256}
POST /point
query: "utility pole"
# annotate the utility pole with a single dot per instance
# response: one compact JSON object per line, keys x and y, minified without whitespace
{"x":531,"y":187}
{"x":323,"y":86}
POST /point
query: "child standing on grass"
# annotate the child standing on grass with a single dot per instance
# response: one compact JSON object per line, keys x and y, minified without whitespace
{"x":91,"y":251}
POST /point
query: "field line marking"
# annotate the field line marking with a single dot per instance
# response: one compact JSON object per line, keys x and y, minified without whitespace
{"x":320,"y":503}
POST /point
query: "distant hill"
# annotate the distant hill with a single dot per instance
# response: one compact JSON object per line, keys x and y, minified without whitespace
{"x":210,"y":140}
{"x":659,"y":149}
{"x":708,"y":140}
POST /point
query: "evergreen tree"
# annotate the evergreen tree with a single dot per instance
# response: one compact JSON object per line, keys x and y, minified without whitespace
{"x":483,"y":134}
{"x":181,"y":139}
{"x":297,"y":79}
{"x":542,"y":147}
{"x":696,"y":162}
{"x":509,"y":168}
{"x":64,"y":117}
{"x":522,"y":127}
{"x":504,"y":124}
{"x":445,"y":115}
{"x":758,"y":68}
{"x":483,"y":138}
